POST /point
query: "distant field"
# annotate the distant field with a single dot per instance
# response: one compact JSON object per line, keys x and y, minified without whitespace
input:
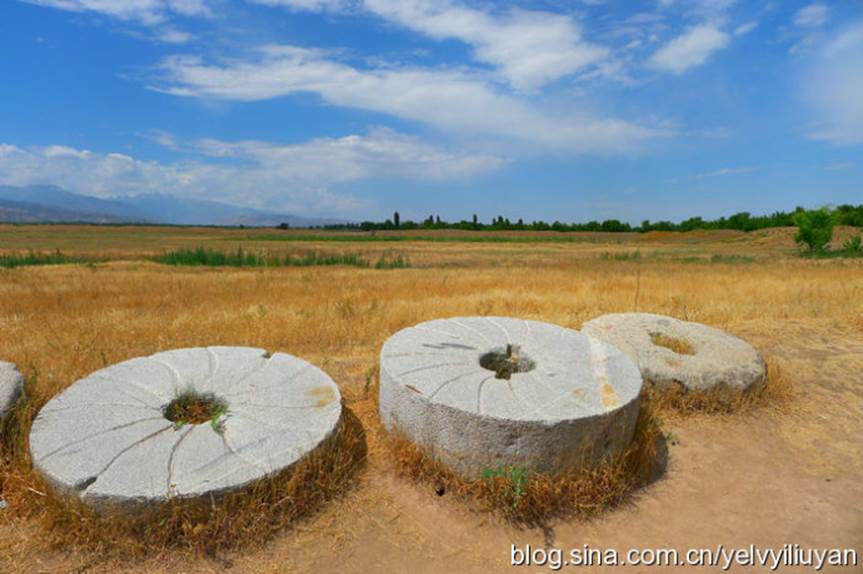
{"x":430,"y":248}
{"x":736,"y":479}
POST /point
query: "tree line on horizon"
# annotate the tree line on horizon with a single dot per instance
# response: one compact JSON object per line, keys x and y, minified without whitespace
{"x":742,"y":221}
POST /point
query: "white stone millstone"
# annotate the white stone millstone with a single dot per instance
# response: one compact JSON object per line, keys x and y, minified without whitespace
{"x":718,"y":359}
{"x":11,"y":386}
{"x":106,"y":439}
{"x":577,"y":406}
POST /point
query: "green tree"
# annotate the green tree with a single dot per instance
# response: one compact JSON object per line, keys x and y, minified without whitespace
{"x":815,"y":229}
{"x":396,"y":219}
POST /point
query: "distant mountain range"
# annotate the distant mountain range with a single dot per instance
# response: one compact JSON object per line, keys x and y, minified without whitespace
{"x":50,"y":204}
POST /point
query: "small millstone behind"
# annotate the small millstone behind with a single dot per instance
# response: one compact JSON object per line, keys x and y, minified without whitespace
{"x":484,"y":392}
{"x":11,"y":387}
{"x":674,"y":353}
{"x":183,"y":423}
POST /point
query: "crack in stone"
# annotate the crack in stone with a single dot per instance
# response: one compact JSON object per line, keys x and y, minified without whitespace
{"x":248,"y":461}
{"x":429,"y":367}
{"x":171,"y":458}
{"x":90,"y":481}
{"x":430,"y":330}
{"x":445,"y":383}
{"x":293,"y":375}
{"x":175,"y":374}
{"x":132,"y":383}
{"x":94,"y":435}
{"x":502,"y":329}
{"x":474,"y":331}
{"x":479,"y":394}
{"x":50,"y":410}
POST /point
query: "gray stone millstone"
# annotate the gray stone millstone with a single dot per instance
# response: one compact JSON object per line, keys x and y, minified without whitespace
{"x":578,"y":404}
{"x":718,"y":359}
{"x":106,"y":438}
{"x":11,"y":387}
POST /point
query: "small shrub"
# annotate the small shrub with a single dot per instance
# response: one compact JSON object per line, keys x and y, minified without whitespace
{"x":852,"y":246}
{"x":815,"y":229}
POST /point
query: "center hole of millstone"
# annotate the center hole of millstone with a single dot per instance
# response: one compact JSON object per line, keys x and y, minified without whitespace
{"x":191,"y":407}
{"x":506,"y":361}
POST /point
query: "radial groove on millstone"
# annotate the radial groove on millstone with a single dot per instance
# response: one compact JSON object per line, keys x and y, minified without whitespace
{"x":89,"y":441}
{"x":542,"y":400}
{"x":11,"y":387}
{"x":705,"y":357}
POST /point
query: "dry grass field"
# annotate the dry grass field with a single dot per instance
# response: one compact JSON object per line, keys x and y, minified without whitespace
{"x":782,"y":473}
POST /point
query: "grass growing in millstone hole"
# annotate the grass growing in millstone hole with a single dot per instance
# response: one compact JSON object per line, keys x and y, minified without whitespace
{"x":506,"y":362}
{"x":191,"y":407}
{"x":242,"y":519}
{"x":676,"y":401}
{"x":531,"y":499}
{"x":679,"y":346}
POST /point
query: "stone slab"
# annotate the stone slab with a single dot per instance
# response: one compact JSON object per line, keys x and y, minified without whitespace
{"x":577,"y":405}
{"x":11,"y":387}
{"x":106,"y":438}
{"x":718,"y":359}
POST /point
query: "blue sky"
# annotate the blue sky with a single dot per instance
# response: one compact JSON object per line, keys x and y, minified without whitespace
{"x":569,"y":110}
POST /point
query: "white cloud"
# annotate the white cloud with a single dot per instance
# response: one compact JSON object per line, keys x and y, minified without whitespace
{"x":725,"y":171}
{"x":812,"y":16}
{"x":147,"y":12}
{"x":309,"y":5}
{"x":690,"y":49}
{"x":745,"y":28}
{"x":294,"y":178}
{"x":833,"y":86}
{"x":530,"y":48}
{"x":446,"y":99}
{"x":838,"y":166}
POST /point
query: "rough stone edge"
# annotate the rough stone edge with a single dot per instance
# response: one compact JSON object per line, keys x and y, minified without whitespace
{"x":667,"y":385}
{"x":442,"y":419}
{"x":16,"y":391}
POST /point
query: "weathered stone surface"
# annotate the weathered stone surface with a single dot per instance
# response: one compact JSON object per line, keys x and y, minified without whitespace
{"x":107,"y":440}
{"x":11,"y":386}
{"x":717,"y":358}
{"x":577,"y":405}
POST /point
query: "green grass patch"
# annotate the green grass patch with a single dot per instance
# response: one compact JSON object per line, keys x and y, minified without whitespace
{"x":13,"y":260}
{"x":393,"y":262}
{"x":625,"y":256}
{"x":203,"y":257}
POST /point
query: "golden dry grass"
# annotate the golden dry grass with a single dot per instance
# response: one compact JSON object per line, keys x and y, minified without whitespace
{"x":61,"y":323}
{"x":533,"y":499}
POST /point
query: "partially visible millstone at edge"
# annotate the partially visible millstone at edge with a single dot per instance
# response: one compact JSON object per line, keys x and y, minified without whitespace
{"x":107,"y":438}
{"x":483,"y":392}
{"x":11,"y":387}
{"x":705,"y":358}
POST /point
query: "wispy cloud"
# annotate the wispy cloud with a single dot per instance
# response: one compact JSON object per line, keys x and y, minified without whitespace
{"x":745,"y":28}
{"x":530,"y":48}
{"x":812,"y":16}
{"x":449,"y":100}
{"x":691,"y":49}
{"x":724,"y":172}
{"x":833,"y":86}
{"x":839,"y":166}
{"x":146,"y":12}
